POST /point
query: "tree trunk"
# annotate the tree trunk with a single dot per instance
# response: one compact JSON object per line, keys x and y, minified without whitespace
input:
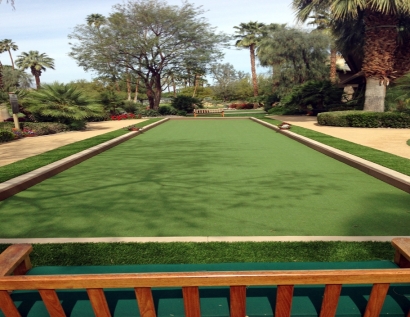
{"x":11,"y":58}
{"x":136,"y":90}
{"x":374,"y":95}
{"x":36,"y":73}
{"x":333,"y":73}
{"x":196,"y":81}
{"x":253,"y":69}
{"x":379,"y":49}
{"x":128,"y":86}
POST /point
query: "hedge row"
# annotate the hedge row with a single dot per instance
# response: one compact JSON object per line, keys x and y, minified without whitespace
{"x":364,"y":119}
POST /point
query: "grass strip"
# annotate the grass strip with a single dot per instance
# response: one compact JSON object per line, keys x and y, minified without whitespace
{"x":70,"y":254}
{"x":31,"y":163}
{"x":394,"y":162}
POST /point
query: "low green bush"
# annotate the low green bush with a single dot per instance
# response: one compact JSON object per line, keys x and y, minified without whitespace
{"x":270,"y":101}
{"x":6,"y":136}
{"x":148,"y":113}
{"x":167,"y":110}
{"x":186,"y":103}
{"x":365,"y":119}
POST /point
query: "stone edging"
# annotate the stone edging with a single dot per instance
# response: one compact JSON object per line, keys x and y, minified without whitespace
{"x":22,"y":182}
{"x":385,"y":174}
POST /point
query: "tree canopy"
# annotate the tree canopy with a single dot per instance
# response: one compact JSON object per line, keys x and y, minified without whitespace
{"x":150,"y":39}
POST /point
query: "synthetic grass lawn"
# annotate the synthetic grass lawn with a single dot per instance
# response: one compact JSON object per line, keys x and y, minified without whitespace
{"x":212,"y":252}
{"x":208,"y":178}
{"x":31,"y":163}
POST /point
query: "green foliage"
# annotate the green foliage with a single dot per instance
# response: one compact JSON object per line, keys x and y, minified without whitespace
{"x":167,"y":110}
{"x":148,"y":113}
{"x":40,"y":128}
{"x":129,"y":106}
{"x":186,"y":103}
{"x":6,"y":136}
{"x":111,"y":101}
{"x":398,"y":95}
{"x":270,"y":100}
{"x":61,"y":103}
{"x":364,"y":119}
{"x":316,"y":96}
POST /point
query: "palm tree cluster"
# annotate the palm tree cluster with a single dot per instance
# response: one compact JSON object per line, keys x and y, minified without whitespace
{"x":376,"y":30}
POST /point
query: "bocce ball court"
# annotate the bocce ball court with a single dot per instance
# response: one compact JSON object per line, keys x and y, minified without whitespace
{"x":207,"y":178}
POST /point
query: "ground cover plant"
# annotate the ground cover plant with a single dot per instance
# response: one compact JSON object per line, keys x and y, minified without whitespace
{"x":243,"y":180}
{"x":29,"y":164}
{"x":212,"y":252}
{"x":397,"y":163}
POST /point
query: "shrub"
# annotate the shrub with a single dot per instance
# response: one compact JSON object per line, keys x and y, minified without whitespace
{"x":6,"y":136}
{"x":182,"y":113}
{"x":317,"y":96}
{"x":364,"y":119}
{"x":270,"y":101}
{"x":186,"y":103}
{"x":148,"y":113}
{"x":21,"y":119}
{"x":167,"y":110}
{"x":44,"y":128}
{"x":241,"y":106}
{"x":129,"y":106}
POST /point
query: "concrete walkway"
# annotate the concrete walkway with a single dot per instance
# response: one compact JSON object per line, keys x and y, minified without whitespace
{"x":393,"y":141}
{"x":26,"y":147}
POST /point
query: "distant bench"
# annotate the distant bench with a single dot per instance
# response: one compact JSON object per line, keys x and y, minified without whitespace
{"x":207,"y":111}
{"x":369,"y":288}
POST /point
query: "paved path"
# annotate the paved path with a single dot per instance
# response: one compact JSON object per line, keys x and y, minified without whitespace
{"x":22,"y":148}
{"x":385,"y":139}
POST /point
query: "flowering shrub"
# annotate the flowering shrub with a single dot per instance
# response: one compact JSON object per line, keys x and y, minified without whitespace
{"x":123,"y":116}
{"x":17,"y":133}
{"x":21,"y":119}
{"x":28,"y":132}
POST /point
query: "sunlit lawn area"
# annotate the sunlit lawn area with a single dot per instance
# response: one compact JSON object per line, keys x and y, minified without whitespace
{"x":207,"y":178}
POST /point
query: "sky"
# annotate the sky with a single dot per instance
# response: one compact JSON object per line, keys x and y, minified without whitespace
{"x":44,"y":26}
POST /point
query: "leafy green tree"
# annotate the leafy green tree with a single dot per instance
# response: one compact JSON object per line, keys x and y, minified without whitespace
{"x":225,"y":78}
{"x":14,"y":79}
{"x":36,"y":62}
{"x":323,"y":21}
{"x":295,"y":55}
{"x":148,"y":38}
{"x":248,"y":36}
{"x":7,"y":46}
{"x":62,"y":103}
{"x":381,"y":20}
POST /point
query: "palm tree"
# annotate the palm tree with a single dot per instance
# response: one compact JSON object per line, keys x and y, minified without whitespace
{"x":6,"y":46}
{"x":248,"y":36}
{"x":96,"y":20}
{"x":323,"y":21}
{"x":36,"y":62}
{"x":63,"y":103}
{"x":381,"y":20}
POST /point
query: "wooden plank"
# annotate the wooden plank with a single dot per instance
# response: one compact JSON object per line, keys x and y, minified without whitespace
{"x":7,"y":305}
{"x":402,"y":255}
{"x":237,"y":301}
{"x":52,"y":302}
{"x":284,"y":300}
{"x":98,"y":302}
{"x":330,"y":300}
{"x":145,"y":302}
{"x":178,"y":279}
{"x":13,"y":256}
{"x":191,"y":301}
{"x":376,"y":300}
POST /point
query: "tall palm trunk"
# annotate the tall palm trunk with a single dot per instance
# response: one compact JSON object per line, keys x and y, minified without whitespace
{"x":11,"y":58}
{"x":253,"y":69}
{"x":379,"y":49}
{"x":36,"y":73}
{"x":333,"y":57}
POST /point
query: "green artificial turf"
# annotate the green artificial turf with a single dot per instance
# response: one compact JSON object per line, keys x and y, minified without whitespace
{"x":394,"y":162}
{"x":207,"y":178}
{"x":212,"y":252}
{"x":29,"y":164}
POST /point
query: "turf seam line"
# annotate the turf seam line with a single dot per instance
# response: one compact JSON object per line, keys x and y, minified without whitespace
{"x":22,"y":182}
{"x":380,"y":172}
{"x":202,"y":239}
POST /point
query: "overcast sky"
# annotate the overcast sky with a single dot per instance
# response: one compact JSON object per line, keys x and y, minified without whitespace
{"x":43,"y":25}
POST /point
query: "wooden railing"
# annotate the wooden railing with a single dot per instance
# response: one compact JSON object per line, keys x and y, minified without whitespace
{"x":142,"y":283}
{"x":206,"y":111}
